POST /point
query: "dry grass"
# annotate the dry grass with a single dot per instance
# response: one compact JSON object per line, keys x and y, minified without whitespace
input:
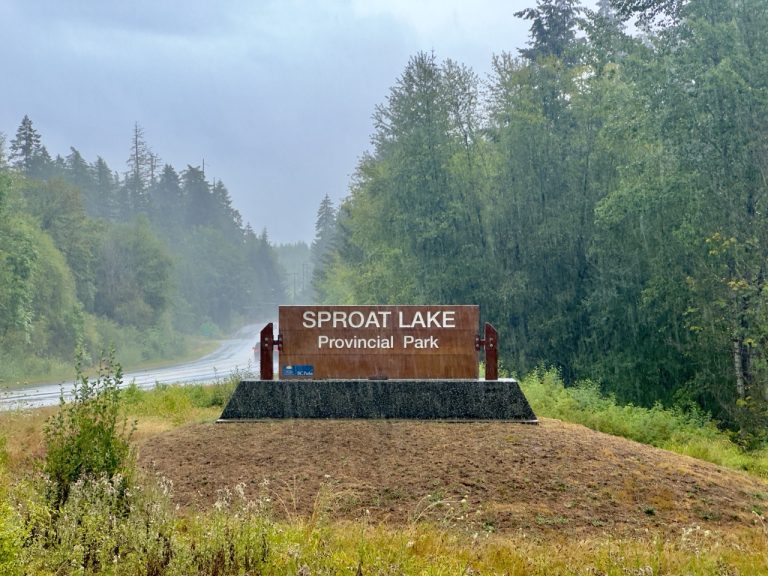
{"x":483,"y":476}
{"x":423,"y":498}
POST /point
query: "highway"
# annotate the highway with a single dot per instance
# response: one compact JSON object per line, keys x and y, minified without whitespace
{"x":235,"y":354}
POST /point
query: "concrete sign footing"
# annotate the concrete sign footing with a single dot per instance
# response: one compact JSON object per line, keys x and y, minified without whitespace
{"x":379,"y":399}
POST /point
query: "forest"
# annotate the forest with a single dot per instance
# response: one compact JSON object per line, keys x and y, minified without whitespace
{"x":601,"y":195}
{"x":144,"y":261}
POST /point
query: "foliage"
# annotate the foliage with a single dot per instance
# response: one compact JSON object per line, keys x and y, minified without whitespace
{"x":600,"y":197}
{"x":323,"y":245}
{"x":410,"y":230}
{"x":134,"y":271}
{"x":86,"y":438}
{"x":95,"y":535}
{"x":26,"y":149}
{"x":103,"y":528}
{"x":153,"y":254}
{"x":689,"y":432}
{"x":18,"y":260}
{"x":601,"y":200}
{"x":10,"y":532}
{"x":648,"y":11}
{"x":553,"y":29}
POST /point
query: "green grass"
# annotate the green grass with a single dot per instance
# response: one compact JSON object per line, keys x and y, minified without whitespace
{"x":182,"y":403}
{"x":145,"y":535}
{"x":101,"y":530}
{"x":691,"y":433}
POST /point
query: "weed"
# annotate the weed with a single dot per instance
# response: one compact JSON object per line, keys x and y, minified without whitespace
{"x":542,"y":520}
{"x":86,"y":437}
{"x":10,"y":534}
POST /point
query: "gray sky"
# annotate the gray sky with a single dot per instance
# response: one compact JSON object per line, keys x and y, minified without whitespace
{"x":276,"y":96}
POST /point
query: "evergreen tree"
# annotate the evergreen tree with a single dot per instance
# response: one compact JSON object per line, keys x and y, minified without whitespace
{"x":553,"y":30}
{"x":105,"y":190}
{"x":134,"y":275}
{"x":413,"y":226}
{"x":3,"y":154}
{"x":200,"y":206}
{"x":79,"y":173}
{"x":26,"y":149}
{"x":226,"y":217}
{"x":45,"y":168}
{"x":325,"y":230}
{"x":323,"y":244}
{"x":168,"y":201}
{"x":139,"y":175}
{"x":267,"y":288}
{"x":18,"y":261}
{"x":59,"y":210}
{"x":663,"y":12}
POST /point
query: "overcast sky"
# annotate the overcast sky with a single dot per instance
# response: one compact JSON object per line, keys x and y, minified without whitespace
{"x":275,"y":96}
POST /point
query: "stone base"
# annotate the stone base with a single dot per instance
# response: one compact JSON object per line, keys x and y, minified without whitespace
{"x":379,"y":399}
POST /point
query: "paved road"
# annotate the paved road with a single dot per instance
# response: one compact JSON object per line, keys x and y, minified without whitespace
{"x":233,"y":354}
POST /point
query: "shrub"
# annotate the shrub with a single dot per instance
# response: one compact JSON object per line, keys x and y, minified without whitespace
{"x":10,"y":535}
{"x":689,"y":431}
{"x":87,"y":436}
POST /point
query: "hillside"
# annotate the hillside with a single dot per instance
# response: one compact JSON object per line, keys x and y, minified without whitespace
{"x":500,"y":477}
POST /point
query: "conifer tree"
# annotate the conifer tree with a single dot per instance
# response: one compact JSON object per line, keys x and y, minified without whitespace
{"x":3,"y":157}
{"x":553,"y":30}
{"x":325,"y":236}
{"x":25,"y":147}
{"x":325,"y":229}
{"x":105,"y":185}
{"x":139,"y":175}
{"x":200,"y":204}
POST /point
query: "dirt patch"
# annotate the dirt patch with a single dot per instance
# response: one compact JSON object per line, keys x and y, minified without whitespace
{"x":488,"y":476}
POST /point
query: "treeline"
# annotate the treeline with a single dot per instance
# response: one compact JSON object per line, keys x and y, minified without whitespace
{"x":602,"y":196}
{"x":136,"y":260}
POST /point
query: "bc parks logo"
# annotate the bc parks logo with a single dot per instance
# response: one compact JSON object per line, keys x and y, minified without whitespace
{"x":299,"y":370}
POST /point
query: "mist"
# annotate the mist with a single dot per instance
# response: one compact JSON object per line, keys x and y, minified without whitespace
{"x":273,"y":98}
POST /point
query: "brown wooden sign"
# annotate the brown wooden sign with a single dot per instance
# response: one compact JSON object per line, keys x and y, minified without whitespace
{"x":396,"y":342}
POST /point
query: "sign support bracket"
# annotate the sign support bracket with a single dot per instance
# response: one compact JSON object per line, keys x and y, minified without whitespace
{"x":267,"y":344}
{"x":491,"y":345}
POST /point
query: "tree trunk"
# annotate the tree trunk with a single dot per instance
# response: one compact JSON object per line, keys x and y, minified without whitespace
{"x":739,"y":369}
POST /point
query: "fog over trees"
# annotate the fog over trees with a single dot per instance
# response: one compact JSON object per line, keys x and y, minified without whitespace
{"x":601,"y":195}
{"x":94,"y":257}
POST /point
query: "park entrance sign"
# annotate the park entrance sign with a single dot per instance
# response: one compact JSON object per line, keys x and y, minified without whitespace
{"x":382,"y":362}
{"x":378,"y":342}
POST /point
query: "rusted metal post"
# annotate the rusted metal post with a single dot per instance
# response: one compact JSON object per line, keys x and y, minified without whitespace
{"x":491,"y":352}
{"x":267,"y":343}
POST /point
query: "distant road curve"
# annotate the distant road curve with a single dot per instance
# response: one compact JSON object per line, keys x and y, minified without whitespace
{"x":233,"y":354}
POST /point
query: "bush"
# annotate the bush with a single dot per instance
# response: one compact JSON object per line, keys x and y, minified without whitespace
{"x":87,"y":437}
